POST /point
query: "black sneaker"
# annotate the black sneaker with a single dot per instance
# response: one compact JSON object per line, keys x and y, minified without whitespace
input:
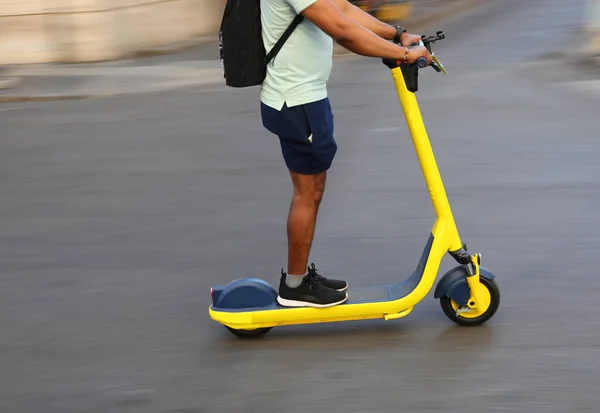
{"x":311,"y":293}
{"x":333,"y":284}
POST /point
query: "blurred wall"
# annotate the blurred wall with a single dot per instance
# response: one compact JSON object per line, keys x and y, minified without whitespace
{"x":43,"y":31}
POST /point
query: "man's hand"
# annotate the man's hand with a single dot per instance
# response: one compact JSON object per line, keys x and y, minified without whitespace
{"x":416,"y":52}
{"x":408,"y":39}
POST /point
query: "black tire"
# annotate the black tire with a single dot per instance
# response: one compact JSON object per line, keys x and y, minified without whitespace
{"x":259,"y":332}
{"x":450,"y":312}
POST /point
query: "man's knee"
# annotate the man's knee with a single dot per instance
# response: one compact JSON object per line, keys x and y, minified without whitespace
{"x":312,"y":197}
{"x":310,"y":188}
{"x":320,"y":187}
{"x":318,"y":193}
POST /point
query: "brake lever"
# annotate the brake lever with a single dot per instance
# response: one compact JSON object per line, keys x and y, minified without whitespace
{"x":435,"y":62}
{"x":437,"y":65}
{"x":426,"y":42}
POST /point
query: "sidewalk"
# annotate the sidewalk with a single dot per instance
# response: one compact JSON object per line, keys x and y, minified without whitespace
{"x":60,"y":82}
{"x":195,"y":66}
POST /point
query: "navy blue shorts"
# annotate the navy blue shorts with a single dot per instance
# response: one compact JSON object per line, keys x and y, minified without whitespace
{"x":305,"y":133}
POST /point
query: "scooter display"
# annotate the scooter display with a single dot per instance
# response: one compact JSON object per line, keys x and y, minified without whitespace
{"x":468,"y":293}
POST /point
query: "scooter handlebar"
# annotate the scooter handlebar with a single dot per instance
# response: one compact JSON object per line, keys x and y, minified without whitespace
{"x":422,"y":62}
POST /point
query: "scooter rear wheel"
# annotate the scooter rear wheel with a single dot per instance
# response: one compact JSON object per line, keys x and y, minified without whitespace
{"x":451,"y":307}
{"x":259,"y":332}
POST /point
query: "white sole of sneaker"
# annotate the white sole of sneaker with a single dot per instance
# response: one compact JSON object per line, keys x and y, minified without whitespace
{"x":343,"y":289}
{"x":291,"y":303}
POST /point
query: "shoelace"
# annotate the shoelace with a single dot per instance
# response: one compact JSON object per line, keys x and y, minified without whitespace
{"x":312,"y":273}
{"x":312,"y":279}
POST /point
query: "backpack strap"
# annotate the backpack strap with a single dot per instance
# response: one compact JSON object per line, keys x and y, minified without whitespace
{"x":288,"y":32}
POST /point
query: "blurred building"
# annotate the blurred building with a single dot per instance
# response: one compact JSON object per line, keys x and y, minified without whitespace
{"x":593,"y":25}
{"x":40,"y":31}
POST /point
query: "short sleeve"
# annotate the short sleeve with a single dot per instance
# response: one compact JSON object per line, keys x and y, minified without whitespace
{"x":300,"y":5}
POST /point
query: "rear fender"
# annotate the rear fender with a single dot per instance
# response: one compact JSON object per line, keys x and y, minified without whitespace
{"x":243,"y":294}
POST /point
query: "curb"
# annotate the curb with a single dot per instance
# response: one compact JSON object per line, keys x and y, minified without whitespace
{"x":591,"y":61}
{"x":579,"y":57}
{"x":9,"y":82}
{"x":54,"y":97}
{"x":196,"y":78}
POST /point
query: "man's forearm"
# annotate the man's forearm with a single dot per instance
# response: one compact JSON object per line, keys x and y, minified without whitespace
{"x":332,"y":17}
{"x":360,"y":40}
{"x":363,"y":18}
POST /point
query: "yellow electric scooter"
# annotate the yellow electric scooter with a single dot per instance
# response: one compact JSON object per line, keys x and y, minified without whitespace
{"x":468,"y":293}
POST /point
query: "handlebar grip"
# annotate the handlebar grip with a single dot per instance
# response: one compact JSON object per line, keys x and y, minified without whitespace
{"x":422,"y":62}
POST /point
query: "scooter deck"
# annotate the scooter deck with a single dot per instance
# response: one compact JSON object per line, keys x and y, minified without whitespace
{"x":385,"y":301}
{"x":356,"y":295}
{"x":252,"y":303}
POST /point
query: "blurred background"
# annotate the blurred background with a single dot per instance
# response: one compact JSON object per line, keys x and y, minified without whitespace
{"x":41,"y":31}
{"x":132,"y":180}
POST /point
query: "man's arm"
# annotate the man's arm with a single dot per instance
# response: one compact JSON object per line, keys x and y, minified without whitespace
{"x":326,"y":15}
{"x":381,"y":29}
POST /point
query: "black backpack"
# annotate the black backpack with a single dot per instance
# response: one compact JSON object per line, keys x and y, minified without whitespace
{"x":243,"y":56}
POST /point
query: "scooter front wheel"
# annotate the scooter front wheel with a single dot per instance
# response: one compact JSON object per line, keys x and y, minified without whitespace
{"x":478,"y":316}
{"x":259,"y":332}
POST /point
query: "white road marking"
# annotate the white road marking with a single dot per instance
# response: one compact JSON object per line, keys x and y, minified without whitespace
{"x":385,"y":130}
{"x":14,"y":108}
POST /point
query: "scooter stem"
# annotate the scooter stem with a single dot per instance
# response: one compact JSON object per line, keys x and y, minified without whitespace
{"x":429,"y":167}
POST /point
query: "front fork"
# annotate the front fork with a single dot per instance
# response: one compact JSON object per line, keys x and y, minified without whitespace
{"x":471,"y":264}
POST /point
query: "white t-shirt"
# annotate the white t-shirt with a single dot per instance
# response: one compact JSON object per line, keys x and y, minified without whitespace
{"x":300,"y":71}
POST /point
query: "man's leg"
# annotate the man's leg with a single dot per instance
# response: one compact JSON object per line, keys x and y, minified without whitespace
{"x":308,"y":192}
{"x":306,"y":136}
{"x":301,"y":287}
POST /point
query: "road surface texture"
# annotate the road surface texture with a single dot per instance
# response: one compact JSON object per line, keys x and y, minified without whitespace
{"x":117,"y":215}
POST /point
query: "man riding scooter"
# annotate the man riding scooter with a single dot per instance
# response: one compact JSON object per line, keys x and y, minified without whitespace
{"x":296,"y":108}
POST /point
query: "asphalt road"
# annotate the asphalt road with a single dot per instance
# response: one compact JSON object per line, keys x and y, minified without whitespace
{"x":117,"y":215}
